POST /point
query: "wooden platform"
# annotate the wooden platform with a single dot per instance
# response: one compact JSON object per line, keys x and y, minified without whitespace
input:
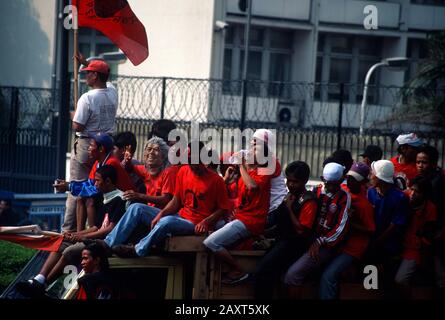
{"x":182,"y":251}
{"x":207,"y":269}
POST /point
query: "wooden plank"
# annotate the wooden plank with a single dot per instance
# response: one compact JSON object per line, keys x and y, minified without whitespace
{"x":185,"y":244}
{"x":150,"y":261}
{"x":200,"y":288}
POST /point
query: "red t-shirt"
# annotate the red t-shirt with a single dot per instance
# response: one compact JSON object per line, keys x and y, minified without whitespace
{"x":308,"y":213}
{"x":163,"y":183}
{"x":253,"y":205}
{"x":362,"y":215}
{"x":200,"y":196}
{"x":406,"y":171}
{"x":123,"y":181}
{"x":412,"y":243}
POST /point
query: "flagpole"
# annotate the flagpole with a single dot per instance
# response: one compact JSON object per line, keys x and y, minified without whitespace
{"x":76,"y":67}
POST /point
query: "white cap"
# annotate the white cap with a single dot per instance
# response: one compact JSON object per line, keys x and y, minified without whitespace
{"x":411,"y":139}
{"x":267,"y":136}
{"x":333,"y":172}
{"x":384,"y":170}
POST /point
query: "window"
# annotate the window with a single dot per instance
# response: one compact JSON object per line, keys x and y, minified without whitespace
{"x":417,"y":53}
{"x":279,"y":72}
{"x":345,"y":59}
{"x":341,"y":44}
{"x":270,"y":56}
{"x":281,"y":39}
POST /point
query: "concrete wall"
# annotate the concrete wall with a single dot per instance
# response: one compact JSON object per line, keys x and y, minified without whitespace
{"x":282,"y":9}
{"x":351,"y":12}
{"x":27,"y":41}
{"x":423,"y":17}
{"x":180,"y":37}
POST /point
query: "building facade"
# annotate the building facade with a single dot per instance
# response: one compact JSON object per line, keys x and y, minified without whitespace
{"x":291,"y":41}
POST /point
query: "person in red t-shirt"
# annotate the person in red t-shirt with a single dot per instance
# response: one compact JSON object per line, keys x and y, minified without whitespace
{"x":125,"y":144}
{"x":158,"y":176}
{"x":159,"y":182}
{"x":361,"y":228}
{"x":423,"y":211}
{"x":199,"y":201}
{"x":97,"y":282}
{"x":427,"y":166}
{"x":295,"y":218}
{"x":231,"y":175}
{"x":250,"y":215}
{"x":331,"y":226}
{"x":405,"y":162}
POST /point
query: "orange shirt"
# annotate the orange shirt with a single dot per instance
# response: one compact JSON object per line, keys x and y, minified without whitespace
{"x":163,"y":183}
{"x":363,"y":215}
{"x":253,"y":205}
{"x":308,"y":213}
{"x":123,"y":181}
{"x":200,"y":196}
{"x":412,"y":243}
{"x":406,"y":171}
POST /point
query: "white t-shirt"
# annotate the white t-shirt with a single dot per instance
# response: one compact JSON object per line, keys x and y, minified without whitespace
{"x":96,"y":110}
{"x":278,"y":191}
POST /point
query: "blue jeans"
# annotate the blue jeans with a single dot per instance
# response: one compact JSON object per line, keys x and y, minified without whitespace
{"x":167,"y":226}
{"x":136,"y":214}
{"x":331,"y":275}
{"x":229,"y":234}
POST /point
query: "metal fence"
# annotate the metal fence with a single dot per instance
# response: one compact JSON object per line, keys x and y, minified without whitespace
{"x":311,"y":146}
{"x":312,"y":120}
{"x":275,"y":104}
{"x":27,"y":139}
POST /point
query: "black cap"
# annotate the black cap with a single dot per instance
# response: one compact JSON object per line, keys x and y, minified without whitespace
{"x":373,"y":152}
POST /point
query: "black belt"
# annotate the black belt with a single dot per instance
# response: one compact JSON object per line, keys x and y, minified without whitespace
{"x":82,"y":137}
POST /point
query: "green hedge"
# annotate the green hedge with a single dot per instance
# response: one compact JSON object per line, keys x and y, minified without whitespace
{"x":13,"y":258}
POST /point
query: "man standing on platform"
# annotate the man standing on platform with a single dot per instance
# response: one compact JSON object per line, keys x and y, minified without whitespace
{"x":95,"y":112}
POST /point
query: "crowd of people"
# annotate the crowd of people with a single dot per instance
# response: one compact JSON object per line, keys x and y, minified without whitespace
{"x":387,"y":213}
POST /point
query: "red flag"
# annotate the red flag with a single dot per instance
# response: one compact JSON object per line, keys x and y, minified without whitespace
{"x":32,"y":237}
{"x":116,"y":20}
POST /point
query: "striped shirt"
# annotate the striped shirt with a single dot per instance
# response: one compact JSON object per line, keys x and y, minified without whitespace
{"x":333,"y":216}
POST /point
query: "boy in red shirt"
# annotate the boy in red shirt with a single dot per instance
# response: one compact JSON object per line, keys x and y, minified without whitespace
{"x":100,"y":150}
{"x":422,"y":212}
{"x":250,"y":215}
{"x":331,"y":226}
{"x":405,"y":163}
{"x":295,"y":218}
{"x":361,"y":228}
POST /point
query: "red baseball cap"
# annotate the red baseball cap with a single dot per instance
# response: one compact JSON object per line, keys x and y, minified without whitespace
{"x":98,"y":66}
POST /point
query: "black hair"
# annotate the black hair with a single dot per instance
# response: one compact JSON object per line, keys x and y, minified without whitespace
{"x":103,"y":77}
{"x":299,"y":170}
{"x":424,"y":185}
{"x":200,"y":147}
{"x":431,"y":152}
{"x":343,"y":157}
{"x":328,"y":160}
{"x":161,"y":128}
{"x":127,"y":138}
{"x":97,"y":251}
{"x":108,"y":172}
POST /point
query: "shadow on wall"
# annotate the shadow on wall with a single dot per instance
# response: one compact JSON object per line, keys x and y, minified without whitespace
{"x":25,"y":58}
